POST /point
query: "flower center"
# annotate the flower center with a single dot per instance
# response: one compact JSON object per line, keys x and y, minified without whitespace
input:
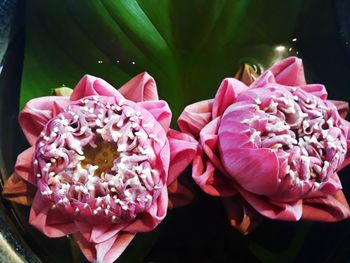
{"x":97,"y":158}
{"x":102,"y":154}
{"x":305,"y":132}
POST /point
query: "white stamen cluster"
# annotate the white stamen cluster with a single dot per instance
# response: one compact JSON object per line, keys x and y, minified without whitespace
{"x":300,"y":128}
{"x":116,"y":194}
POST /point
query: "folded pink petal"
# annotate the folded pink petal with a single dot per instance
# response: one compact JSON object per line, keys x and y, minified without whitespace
{"x":140,"y":88}
{"x":346,"y":161}
{"x":101,"y":233}
{"x":37,"y":113}
{"x":195,"y":116}
{"x":115,"y":250}
{"x":24,"y":165}
{"x":289,"y":71}
{"x":49,"y":221}
{"x":317,"y":90}
{"x":264,"y":79}
{"x":329,"y":208}
{"x":210,"y":179}
{"x":226,"y":95}
{"x":90,"y":85}
{"x":182,"y":150}
{"x":290,"y":211}
{"x":160,"y":111}
{"x":342,"y":107}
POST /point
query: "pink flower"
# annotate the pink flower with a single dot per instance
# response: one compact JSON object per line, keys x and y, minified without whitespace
{"x":273,"y":147}
{"x":101,"y":161}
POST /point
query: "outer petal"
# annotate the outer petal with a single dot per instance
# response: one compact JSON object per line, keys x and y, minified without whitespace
{"x":241,"y":215}
{"x":226,"y":95}
{"x":90,"y":85}
{"x":36,"y":114}
{"x":342,"y":107}
{"x":195,"y":117}
{"x":140,"y":88}
{"x":291,"y":211}
{"x":18,"y":190}
{"x":182,"y":150}
{"x":289,"y":71}
{"x":316,"y":89}
{"x":160,"y":111}
{"x":49,"y":221}
{"x":24,"y":166}
{"x":347,"y":156}
{"x":107,"y":251}
{"x":329,"y":208}
{"x":207,"y":170}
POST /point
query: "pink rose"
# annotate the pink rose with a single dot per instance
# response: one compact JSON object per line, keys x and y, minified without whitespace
{"x":273,"y":147}
{"x":99,"y":164}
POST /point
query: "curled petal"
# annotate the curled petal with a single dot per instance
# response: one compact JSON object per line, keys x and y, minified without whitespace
{"x":160,"y":111}
{"x":90,"y":85}
{"x":179,"y":194}
{"x":342,"y":107}
{"x":329,"y":208}
{"x":287,"y":211}
{"x":264,"y":79}
{"x":18,"y":190}
{"x":50,"y":221}
{"x":24,"y":166}
{"x":289,"y":71}
{"x":107,"y":251}
{"x":195,"y":117}
{"x":241,"y":215}
{"x":226,"y":95}
{"x":347,"y":156}
{"x":182,"y":150}
{"x":209,"y":178}
{"x":140,"y":88}
{"x":37,"y":113}
{"x":317,"y":90}
{"x":246,"y":74}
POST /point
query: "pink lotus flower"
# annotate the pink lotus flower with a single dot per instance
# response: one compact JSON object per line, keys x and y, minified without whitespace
{"x":273,"y":147}
{"x":99,"y":164}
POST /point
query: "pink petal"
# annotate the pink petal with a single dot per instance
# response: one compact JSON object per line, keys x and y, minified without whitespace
{"x":49,"y":221}
{"x":274,"y":210}
{"x":160,"y":111}
{"x":347,"y":156}
{"x":101,"y":233}
{"x":24,"y":165}
{"x":264,"y":79}
{"x":256,"y":170}
{"x":342,"y":107}
{"x":37,"y":113}
{"x":107,"y":251}
{"x":210,"y":179}
{"x":90,"y":85}
{"x":182,"y":150}
{"x":289,"y":71}
{"x":329,"y":208}
{"x":140,"y":88}
{"x":150,"y":219}
{"x":195,"y":117}
{"x":317,"y":90}
{"x":115,"y":250}
{"x":226,"y":95}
